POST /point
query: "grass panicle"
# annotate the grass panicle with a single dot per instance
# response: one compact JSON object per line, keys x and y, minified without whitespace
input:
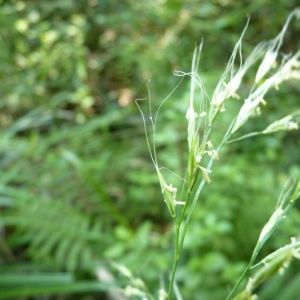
{"x":201,"y":114}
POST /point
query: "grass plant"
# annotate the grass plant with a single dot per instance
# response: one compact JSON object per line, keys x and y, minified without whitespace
{"x":272,"y":69}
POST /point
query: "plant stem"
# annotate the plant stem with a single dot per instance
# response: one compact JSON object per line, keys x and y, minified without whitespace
{"x":244,"y":137}
{"x":177,"y":251}
{"x":174,"y":268}
{"x":239,"y":281}
{"x":179,"y":239}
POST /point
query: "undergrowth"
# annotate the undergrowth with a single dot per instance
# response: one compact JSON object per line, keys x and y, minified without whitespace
{"x":74,"y":211}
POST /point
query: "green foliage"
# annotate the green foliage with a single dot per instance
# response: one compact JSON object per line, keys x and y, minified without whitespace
{"x":77,"y":190}
{"x":45,"y":224}
{"x":21,"y":285}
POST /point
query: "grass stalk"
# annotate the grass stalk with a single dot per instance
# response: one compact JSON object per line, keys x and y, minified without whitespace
{"x":200,"y":128}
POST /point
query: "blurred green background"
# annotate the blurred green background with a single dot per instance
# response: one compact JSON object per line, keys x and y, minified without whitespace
{"x":77,"y":187}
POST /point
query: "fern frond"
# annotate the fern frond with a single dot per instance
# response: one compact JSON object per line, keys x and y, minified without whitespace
{"x":52,"y":229}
